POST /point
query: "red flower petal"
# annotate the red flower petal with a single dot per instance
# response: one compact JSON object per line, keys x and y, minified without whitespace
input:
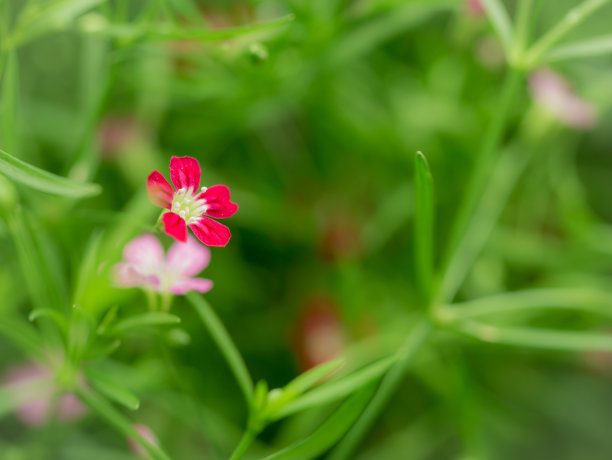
{"x":185,"y":172}
{"x":211,"y":232}
{"x":174,"y":225}
{"x":159,"y":190}
{"x":218,"y":201}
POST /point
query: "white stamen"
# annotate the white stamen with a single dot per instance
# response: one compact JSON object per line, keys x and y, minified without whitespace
{"x":203,"y":189}
{"x":182,"y":214}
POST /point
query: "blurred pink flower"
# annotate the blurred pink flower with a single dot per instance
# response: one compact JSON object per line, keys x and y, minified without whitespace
{"x":145,"y":266}
{"x":116,"y":132}
{"x":35,"y":386}
{"x":145,"y":432}
{"x":475,"y":7}
{"x":320,"y":335}
{"x":551,"y":91}
{"x":188,"y":205}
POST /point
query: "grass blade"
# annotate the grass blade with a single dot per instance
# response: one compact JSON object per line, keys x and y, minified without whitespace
{"x":587,"y":48}
{"x":324,"y":437}
{"x":501,"y":21}
{"x":113,"y":390}
{"x":42,"y":180}
{"x":424,"y":225}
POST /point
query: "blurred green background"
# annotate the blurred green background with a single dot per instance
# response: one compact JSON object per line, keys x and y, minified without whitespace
{"x":313,"y":124}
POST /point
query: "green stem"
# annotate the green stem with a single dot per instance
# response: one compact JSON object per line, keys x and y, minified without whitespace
{"x":521,"y":31}
{"x":389,"y":384}
{"x":452,"y":274}
{"x":225,"y":344}
{"x":572,"y":19}
{"x":243,"y":445}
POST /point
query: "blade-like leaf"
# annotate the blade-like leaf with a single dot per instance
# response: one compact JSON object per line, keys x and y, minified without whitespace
{"x":587,"y":48}
{"x":146,"y":319}
{"x":115,"y":419}
{"x":44,"y":181}
{"x":112,"y":389}
{"x":338,"y":389}
{"x":55,"y":315}
{"x":500,"y":20}
{"x":423,"y":223}
{"x":330,"y":431}
{"x":10,"y":94}
{"x":313,"y":376}
{"x":537,"y":338}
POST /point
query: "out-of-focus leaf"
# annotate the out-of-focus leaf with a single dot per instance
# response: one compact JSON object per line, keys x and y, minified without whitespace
{"x":337,"y":389}
{"x":313,"y":376}
{"x":330,"y":431}
{"x":34,"y":177}
{"x":112,"y":389}
{"x":38,"y":19}
{"x":423,"y":223}
{"x":587,"y":48}
{"x":10,"y":93}
{"x":55,"y":315}
{"x":496,"y":11}
{"x":146,"y":319}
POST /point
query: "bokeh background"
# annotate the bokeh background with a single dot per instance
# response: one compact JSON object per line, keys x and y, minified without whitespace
{"x":314,"y":125}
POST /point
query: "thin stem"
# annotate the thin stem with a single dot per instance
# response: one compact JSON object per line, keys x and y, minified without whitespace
{"x":451,"y":278}
{"x":243,"y":445}
{"x":225,"y":344}
{"x":521,"y":30}
{"x":384,"y":392}
{"x":572,"y":19}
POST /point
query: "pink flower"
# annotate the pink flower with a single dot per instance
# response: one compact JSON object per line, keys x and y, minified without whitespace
{"x":189,"y":204}
{"x":553,"y":93}
{"x":33,"y":386}
{"x":475,"y":7}
{"x":146,"y":433}
{"x":145,"y":266}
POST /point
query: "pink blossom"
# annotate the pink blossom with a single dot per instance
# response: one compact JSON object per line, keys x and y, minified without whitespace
{"x":145,"y":266}
{"x":320,"y":335}
{"x":147,"y":434}
{"x":34,"y":387}
{"x":553,"y":93}
{"x":188,"y":204}
{"x":475,"y":7}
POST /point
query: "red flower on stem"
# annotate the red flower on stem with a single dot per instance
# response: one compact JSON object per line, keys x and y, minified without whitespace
{"x":189,"y":205}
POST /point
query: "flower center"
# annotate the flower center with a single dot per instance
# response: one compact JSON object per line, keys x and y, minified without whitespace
{"x":186,"y":205}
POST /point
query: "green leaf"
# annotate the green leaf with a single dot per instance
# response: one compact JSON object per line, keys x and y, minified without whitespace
{"x":330,"y":431}
{"x":115,"y":419}
{"x":146,"y":319}
{"x":44,"y":181}
{"x":55,"y":315}
{"x":500,"y":20}
{"x":87,"y":269}
{"x":112,"y":389}
{"x":424,"y":225}
{"x":536,"y":338}
{"x":586,"y":48}
{"x":225,"y":344}
{"x":171,"y":32}
{"x":10,"y":95}
{"x":39,"y":19}
{"x":337,"y":389}
{"x":313,"y":376}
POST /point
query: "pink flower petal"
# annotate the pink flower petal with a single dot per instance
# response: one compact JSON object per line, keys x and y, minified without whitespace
{"x":174,"y":225}
{"x":185,"y":173}
{"x":218,"y":202}
{"x":145,"y":253}
{"x":128,"y":276}
{"x":210,"y":232}
{"x":187,"y":259}
{"x":159,"y":190}
{"x":184,"y":285}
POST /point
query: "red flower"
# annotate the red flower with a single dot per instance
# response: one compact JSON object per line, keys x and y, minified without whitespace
{"x":188,"y":205}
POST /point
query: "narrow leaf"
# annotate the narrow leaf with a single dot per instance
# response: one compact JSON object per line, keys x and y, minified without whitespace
{"x":44,"y":181}
{"x":115,"y":419}
{"x":54,"y":315}
{"x":10,"y":94}
{"x":112,"y":389}
{"x":313,"y":376}
{"x":500,"y":20}
{"x":537,"y":338}
{"x":146,"y":319}
{"x":587,"y":48}
{"x":338,"y":389}
{"x":423,"y":225}
{"x":330,"y":431}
